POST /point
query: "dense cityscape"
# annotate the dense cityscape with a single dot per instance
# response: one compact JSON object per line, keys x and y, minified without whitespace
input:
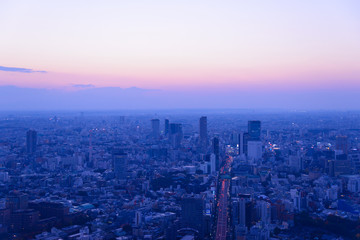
{"x":180,"y":175}
{"x":180,"y":120}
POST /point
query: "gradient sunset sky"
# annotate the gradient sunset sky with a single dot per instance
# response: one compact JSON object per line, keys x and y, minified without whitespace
{"x":185,"y":44}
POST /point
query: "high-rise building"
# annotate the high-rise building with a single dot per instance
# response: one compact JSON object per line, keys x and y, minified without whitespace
{"x":239,"y":211}
{"x":234,"y":139}
{"x":203,"y":133}
{"x":354,"y":157}
{"x":203,"y":128}
{"x":254,"y":150}
{"x":167,"y":127}
{"x":214,"y":163}
{"x":342,"y":165}
{"x":120,"y":163}
{"x":354,"y":184}
{"x":241,"y":144}
{"x":176,"y":134}
{"x":242,"y":211}
{"x":264,"y":211}
{"x":342,"y":144}
{"x":192,"y":213}
{"x":245,"y":138}
{"x":216,"y":146}
{"x":31,"y":141}
{"x":254,"y":130}
{"x":155,"y":126}
{"x":216,"y":151}
{"x":175,"y":128}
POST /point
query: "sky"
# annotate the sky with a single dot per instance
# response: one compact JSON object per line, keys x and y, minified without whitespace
{"x":186,"y":46}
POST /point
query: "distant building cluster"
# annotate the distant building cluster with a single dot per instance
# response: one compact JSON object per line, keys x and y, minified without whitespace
{"x":179,"y":175}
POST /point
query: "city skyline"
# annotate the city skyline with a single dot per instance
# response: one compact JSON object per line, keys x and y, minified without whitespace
{"x":139,"y":176}
{"x":179,"y":120}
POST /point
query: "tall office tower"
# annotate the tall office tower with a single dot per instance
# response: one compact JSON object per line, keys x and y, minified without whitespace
{"x":203,"y":129}
{"x":239,"y":211}
{"x":176,"y":134}
{"x":330,"y":166}
{"x":354,"y":184}
{"x":214,"y":163}
{"x":245,"y":139}
{"x":155,"y":126}
{"x":342,"y":144}
{"x":254,"y":149}
{"x":216,"y":151}
{"x":235,"y":211}
{"x":234,"y":139}
{"x":216,"y":146}
{"x":203,"y":133}
{"x":254,"y":130}
{"x":167,"y":126}
{"x":120,"y":163}
{"x":342,"y":165}
{"x":241,"y":143}
{"x":192,"y":213}
{"x":31,"y":141}
{"x":264,"y":211}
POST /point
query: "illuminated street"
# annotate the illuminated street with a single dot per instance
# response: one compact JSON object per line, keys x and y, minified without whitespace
{"x":223,"y":201}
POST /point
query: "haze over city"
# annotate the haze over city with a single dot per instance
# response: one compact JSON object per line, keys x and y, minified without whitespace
{"x":180,"y":120}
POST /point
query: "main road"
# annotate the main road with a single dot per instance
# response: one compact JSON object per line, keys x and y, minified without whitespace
{"x":223,"y":201}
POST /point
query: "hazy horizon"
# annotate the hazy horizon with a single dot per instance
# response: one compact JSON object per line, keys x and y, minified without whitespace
{"x":242,"y":54}
{"x":114,"y":98}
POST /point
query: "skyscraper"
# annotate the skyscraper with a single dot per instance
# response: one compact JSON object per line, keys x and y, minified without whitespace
{"x":203,"y":133}
{"x":120,"y":163}
{"x":155,"y":126}
{"x":254,"y":130}
{"x":241,"y":143}
{"x":239,"y":211}
{"x":264,"y":211}
{"x":214,"y":163}
{"x":342,"y":144}
{"x":216,"y":147}
{"x":254,"y":149}
{"x":176,"y":134}
{"x":216,"y":151}
{"x":192,"y":213}
{"x":245,"y":139}
{"x":167,"y":127}
{"x":31,"y":141}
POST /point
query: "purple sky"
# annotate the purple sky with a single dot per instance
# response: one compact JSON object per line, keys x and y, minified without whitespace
{"x":288,"y":54}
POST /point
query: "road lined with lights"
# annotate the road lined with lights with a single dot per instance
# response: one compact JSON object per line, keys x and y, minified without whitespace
{"x":223,"y":202}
